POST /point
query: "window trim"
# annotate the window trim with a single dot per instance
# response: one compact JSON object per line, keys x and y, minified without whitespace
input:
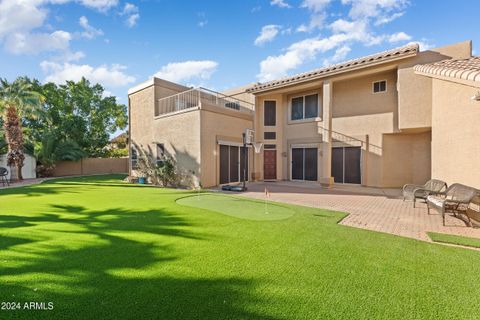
{"x":303,"y":95}
{"x":263,"y":114}
{"x":373,"y":86}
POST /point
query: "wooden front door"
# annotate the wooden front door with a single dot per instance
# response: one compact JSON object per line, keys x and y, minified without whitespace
{"x":269,"y":164}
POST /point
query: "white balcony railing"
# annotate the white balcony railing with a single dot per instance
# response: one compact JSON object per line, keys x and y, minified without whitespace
{"x":197,"y":97}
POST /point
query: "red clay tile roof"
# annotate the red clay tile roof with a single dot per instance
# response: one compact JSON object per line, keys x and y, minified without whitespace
{"x":366,"y":61}
{"x":464,"y":69}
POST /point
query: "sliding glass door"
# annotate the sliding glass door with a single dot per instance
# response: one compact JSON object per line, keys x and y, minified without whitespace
{"x":304,"y":164}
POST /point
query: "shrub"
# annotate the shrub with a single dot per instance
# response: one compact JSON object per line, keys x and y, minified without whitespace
{"x":163,"y":173}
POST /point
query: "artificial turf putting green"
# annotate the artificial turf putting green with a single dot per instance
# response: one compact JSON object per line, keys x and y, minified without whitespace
{"x":237,"y":207}
{"x":101,"y":249}
{"x":453,"y":239}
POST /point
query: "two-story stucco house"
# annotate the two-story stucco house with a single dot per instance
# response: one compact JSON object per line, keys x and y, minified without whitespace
{"x":374,"y":121}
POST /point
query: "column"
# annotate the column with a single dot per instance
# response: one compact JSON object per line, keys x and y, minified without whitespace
{"x":326,"y":178}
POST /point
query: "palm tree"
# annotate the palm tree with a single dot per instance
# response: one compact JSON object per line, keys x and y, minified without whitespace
{"x":50,"y":150}
{"x":17,"y":99}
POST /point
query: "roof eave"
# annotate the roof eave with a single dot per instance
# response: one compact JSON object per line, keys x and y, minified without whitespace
{"x":335,"y":72}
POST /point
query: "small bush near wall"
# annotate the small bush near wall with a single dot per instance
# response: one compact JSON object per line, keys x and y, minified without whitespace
{"x":162,"y":173}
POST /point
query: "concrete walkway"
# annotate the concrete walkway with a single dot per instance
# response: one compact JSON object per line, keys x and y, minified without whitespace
{"x":369,"y":208}
{"x":23,"y":183}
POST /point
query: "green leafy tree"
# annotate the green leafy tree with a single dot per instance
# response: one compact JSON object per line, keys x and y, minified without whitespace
{"x":17,"y":100}
{"x":80,"y":112}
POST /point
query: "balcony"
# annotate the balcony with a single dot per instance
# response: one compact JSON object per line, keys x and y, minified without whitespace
{"x":197,"y":98}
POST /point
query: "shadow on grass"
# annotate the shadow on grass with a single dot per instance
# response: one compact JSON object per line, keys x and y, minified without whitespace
{"x":112,"y":264}
{"x":36,"y":190}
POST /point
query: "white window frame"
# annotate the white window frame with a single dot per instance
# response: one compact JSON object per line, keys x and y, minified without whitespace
{"x":373,"y":86}
{"x":303,"y":119}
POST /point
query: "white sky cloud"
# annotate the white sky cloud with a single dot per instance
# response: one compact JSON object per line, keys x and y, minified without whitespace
{"x":373,"y":8}
{"x":423,"y":44}
{"x":274,"y":67}
{"x":33,"y":43}
{"x":187,"y":70}
{"x":267,"y":34}
{"x":88,"y":32}
{"x":20,"y":21}
{"x":388,"y":18}
{"x":280,"y":3}
{"x":130,"y":11}
{"x":399,"y":36}
{"x":340,"y":55}
{"x":132,"y":20}
{"x":69,"y":56}
{"x":20,"y":16}
{"x":100,"y":5}
{"x":318,"y":14}
{"x":107,"y":76}
{"x":356,"y":28}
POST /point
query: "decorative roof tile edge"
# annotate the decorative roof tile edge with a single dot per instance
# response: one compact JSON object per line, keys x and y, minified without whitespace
{"x":453,"y":69}
{"x":384,"y":56}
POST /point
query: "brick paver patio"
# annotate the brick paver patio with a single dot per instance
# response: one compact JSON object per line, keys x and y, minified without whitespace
{"x":374,"y":209}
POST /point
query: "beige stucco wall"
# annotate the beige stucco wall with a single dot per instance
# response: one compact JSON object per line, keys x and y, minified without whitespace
{"x":455,"y":133}
{"x":179,"y":133}
{"x":406,"y":159}
{"x":218,"y":124}
{"x":358,"y":112}
{"x":415,"y":100}
{"x":189,"y":136}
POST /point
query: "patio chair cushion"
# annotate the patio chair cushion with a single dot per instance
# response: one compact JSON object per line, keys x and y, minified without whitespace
{"x":436,"y":201}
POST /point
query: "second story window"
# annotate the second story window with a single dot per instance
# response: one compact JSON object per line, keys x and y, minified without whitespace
{"x":304,"y":107}
{"x":269,"y":113}
{"x":380,"y":86}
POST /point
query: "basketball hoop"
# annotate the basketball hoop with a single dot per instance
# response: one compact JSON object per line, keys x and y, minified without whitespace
{"x":257,"y":146}
{"x":249,"y":136}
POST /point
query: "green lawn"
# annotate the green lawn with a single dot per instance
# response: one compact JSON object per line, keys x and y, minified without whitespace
{"x":101,"y":249}
{"x":452,"y":239}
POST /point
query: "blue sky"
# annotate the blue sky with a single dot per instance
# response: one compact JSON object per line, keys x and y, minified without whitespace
{"x":217,"y":44}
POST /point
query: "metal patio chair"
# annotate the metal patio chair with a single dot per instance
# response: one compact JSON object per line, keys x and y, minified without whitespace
{"x":455,"y":199}
{"x":416,"y":191}
{"x":3,"y":176}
